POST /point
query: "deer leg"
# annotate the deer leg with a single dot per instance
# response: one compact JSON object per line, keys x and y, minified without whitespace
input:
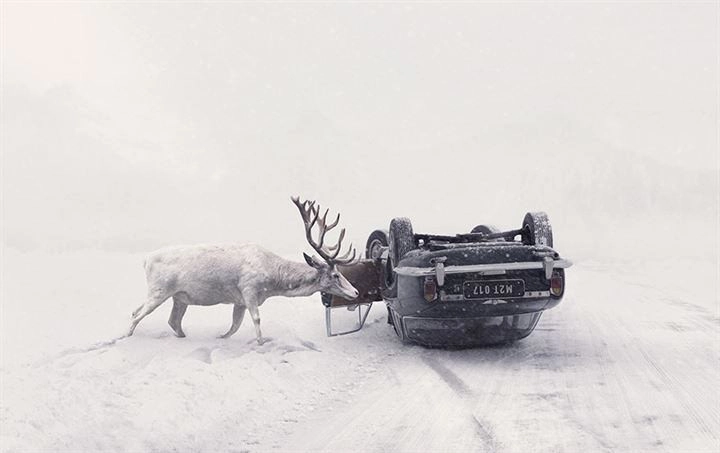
{"x":147,"y":308}
{"x":255,"y":315}
{"x":176,"y":316}
{"x":238,"y":315}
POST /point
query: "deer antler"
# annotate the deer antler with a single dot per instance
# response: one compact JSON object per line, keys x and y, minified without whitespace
{"x":310,"y":213}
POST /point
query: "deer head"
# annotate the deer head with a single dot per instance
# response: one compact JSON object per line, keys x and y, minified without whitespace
{"x":331,"y":280}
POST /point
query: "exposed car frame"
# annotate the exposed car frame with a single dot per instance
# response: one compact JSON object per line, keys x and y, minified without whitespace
{"x":483,"y":287}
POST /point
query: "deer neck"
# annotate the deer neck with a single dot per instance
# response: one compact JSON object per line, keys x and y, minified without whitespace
{"x":296,"y":280}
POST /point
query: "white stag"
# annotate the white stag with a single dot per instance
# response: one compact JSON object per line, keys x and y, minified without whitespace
{"x":243,"y":275}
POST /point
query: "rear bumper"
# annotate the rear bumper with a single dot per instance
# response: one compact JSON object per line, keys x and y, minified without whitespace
{"x":466,"y":332}
{"x":439,"y":270}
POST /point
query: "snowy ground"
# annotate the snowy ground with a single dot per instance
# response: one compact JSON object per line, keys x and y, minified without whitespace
{"x":629,"y":361}
{"x":126,"y":126}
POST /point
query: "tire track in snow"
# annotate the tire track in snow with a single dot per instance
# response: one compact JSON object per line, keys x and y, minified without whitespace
{"x":447,"y":375}
{"x":688,"y":402}
{"x":405,"y":406}
{"x":467,"y":398}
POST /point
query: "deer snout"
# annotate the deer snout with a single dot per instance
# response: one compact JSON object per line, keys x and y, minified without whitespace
{"x":349,"y":291}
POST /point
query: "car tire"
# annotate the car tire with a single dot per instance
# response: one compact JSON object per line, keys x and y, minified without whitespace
{"x":487,"y":229}
{"x":537,"y":229}
{"x":374,"y":244}
{"x":401,"y":240}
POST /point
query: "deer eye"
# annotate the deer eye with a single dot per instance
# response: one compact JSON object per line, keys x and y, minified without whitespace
{"x":336,"y":276}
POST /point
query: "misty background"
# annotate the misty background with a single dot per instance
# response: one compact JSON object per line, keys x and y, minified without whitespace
{"x":126,"y":127}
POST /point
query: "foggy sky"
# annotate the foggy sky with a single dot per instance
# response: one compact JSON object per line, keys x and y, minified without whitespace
{"x":131,"y":126}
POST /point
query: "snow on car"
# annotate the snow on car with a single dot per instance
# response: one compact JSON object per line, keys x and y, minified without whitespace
{"x":476,"y":288}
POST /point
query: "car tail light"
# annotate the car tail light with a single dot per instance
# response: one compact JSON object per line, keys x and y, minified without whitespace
{"x":557,"y":285}
{"x":430,"y":289}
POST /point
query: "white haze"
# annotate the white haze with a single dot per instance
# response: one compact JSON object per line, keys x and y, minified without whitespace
{"x":126,"y":126}
{"x":131,"y":126}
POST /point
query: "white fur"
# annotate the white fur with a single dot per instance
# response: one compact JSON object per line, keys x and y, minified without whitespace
{"x":242,"y":275}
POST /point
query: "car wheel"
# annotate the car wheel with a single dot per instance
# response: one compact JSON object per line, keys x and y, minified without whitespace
{"x":401,"y":240}
{"x":487,"y":229}
{"x":375,"y":243}
{"x":537,"y":229}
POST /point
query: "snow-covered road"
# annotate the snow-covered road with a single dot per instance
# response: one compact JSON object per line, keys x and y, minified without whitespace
{"x":618,"y":366}
{"x":629,"y":361}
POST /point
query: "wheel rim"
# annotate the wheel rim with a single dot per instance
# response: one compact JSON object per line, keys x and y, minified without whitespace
{"x":374,"y":251}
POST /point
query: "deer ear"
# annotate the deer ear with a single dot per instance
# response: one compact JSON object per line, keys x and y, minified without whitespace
{"x":314,"y":261}
{"x":309,"y":260}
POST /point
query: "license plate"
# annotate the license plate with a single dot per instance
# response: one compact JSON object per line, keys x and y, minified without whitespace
{"x":493,"y":289}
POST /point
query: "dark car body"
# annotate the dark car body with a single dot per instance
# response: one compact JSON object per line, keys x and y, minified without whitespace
{"x":491,"y":293}
{"x":464,"y":290}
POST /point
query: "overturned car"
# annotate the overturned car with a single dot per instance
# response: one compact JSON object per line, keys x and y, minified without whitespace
{"x":483,"y":287}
